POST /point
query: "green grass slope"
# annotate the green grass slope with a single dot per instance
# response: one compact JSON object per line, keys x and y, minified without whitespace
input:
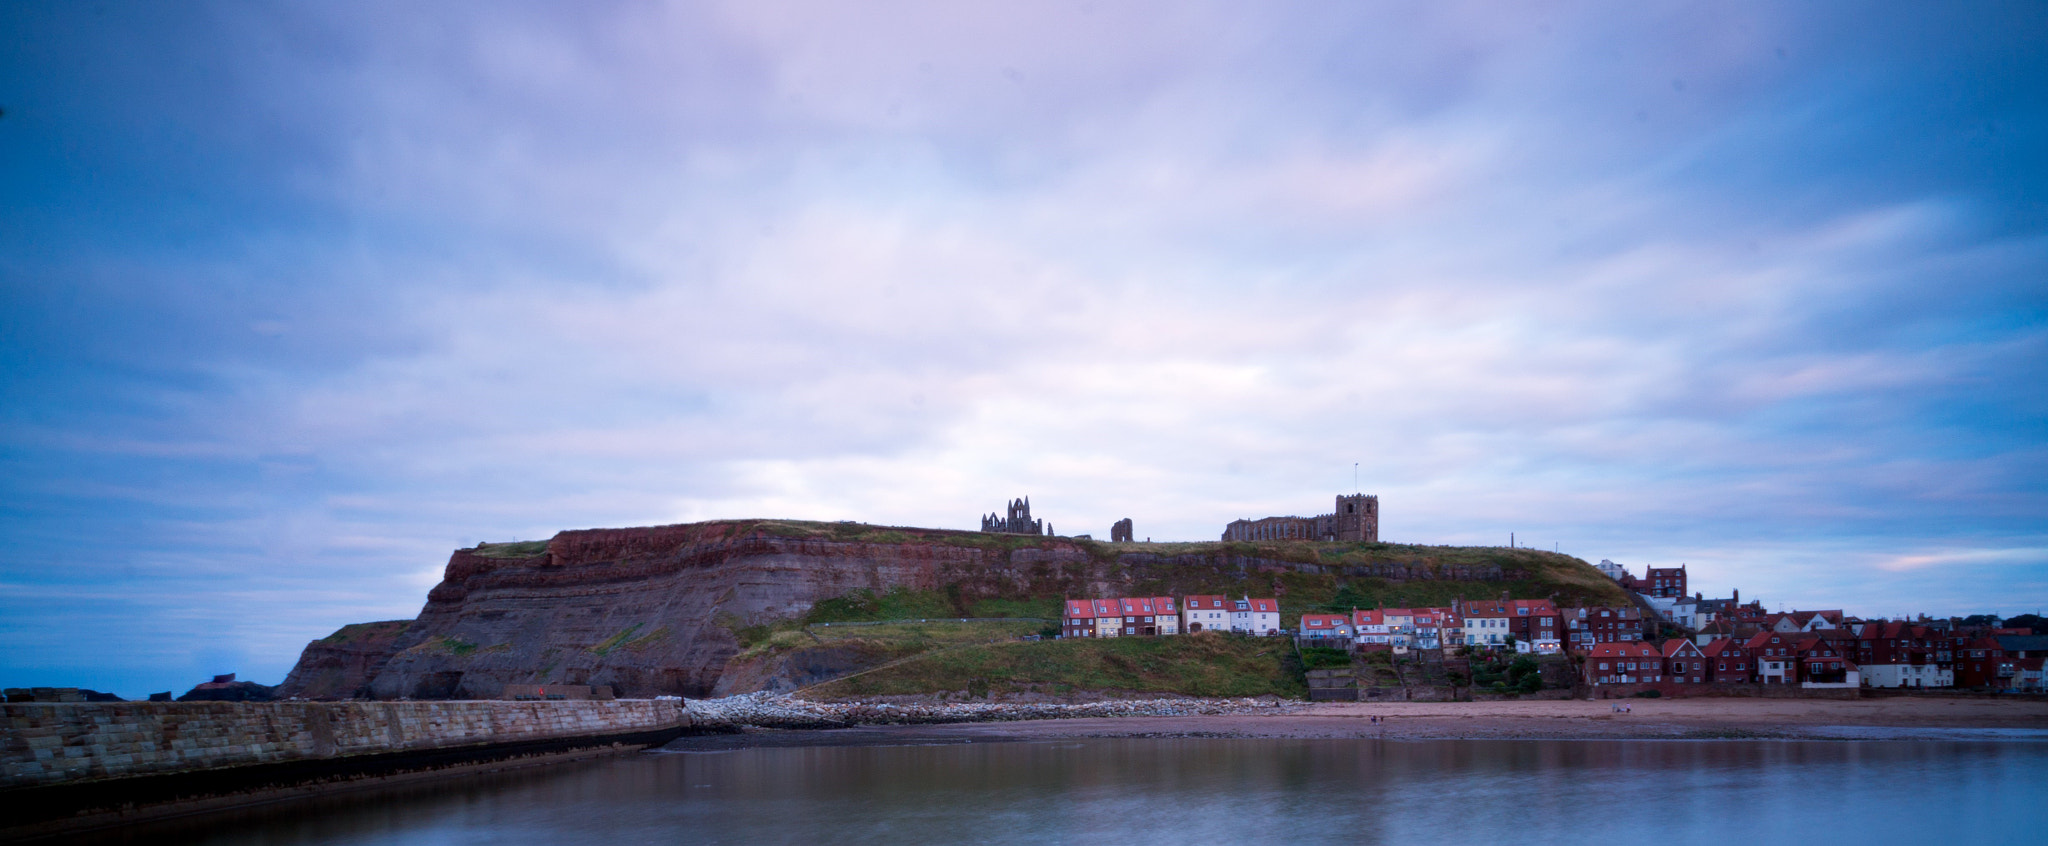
{"x":1205,"y":664}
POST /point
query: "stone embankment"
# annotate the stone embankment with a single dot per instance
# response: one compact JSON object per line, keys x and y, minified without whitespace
{"x":71,"y":765}
{"x":773,"y":710}
{"x":54,"y":743}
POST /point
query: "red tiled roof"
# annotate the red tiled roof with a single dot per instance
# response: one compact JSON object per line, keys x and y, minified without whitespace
{"x":1205,"y":603}
{"x":1636,"y":649}
{"x":1676,"y":645}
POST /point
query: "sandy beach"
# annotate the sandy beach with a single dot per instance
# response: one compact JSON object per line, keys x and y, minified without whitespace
{"x":1699,"y":719}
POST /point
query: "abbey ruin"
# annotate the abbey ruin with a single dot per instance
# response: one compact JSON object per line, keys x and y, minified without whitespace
{"x":1356,"y":518}
{"x":1017,"y":522}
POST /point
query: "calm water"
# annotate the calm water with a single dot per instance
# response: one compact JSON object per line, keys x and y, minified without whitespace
{"x":1212,"y":791}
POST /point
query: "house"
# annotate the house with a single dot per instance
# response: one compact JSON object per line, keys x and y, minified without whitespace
{"x":1204,"y":613}
{"x":1428,"y":627}
{"x":1255,"y":616}
{"x":1537,"y":626}
{"x":1168,"y":612}
{"x":1729,"y":661}
{"x":1982,"y":663}
{"x":1600,"y":624}
{"x":1611,"y":570}
{"x":1486,"y":623}
{"x":1623,"y":663}
{"x":1777,"y":657}
{"x":1330,"y":630}
{"x":1369,"y":628}
{"x":2031,"y":676}
{"x":1823,"y":662}
{"x":1684,"y":663}
{"x":1079,"y":619}
{"x":1663,"y":581}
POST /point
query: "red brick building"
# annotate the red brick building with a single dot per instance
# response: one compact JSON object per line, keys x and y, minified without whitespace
{"x":1623,"y":663}
{"x":1729,"y":661}
{"x":1684,"y":663}
{"x":1663,"y":581}
{"x":1585,"y":627}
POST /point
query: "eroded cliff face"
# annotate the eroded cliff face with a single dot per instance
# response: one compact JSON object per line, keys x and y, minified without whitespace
{"x":653,"y":611}
{"x":341,"y":665}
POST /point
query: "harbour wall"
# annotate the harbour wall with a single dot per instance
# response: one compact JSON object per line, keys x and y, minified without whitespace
{"x":53,"y":743}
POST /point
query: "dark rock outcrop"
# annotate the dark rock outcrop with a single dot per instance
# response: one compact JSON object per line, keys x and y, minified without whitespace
{"x":341,"y":665}
{"x":224,"y":688}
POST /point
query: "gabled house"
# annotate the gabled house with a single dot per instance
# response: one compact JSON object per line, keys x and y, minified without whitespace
{"x":1776,"y":657}
{"x":1330,"y":630}
{"x":1204,"y":614}
{"x":1255,"y":616}
{"x":1537,"y":626}
{"x":1729,"y":661}
{"x":1487,"y":624}
{"x":1684,"y":663}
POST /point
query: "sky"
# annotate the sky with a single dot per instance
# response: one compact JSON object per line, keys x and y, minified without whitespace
{"x":295,"y":298}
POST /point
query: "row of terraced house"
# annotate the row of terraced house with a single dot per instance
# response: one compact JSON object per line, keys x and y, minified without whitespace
{"x":1536,"y":626}
{"x":1151,"y":616}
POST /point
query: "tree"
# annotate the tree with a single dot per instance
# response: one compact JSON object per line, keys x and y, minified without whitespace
{"x":2027,"y":621}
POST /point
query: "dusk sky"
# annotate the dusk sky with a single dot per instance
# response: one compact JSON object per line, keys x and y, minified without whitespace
{"x":299,"y":297}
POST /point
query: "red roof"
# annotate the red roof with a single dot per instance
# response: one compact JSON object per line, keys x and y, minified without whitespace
{"x":1677,"y":645}
{"x":1636,"y":649}
{"x":1714,"y":650}
{"x":1324,"y":621}
{"x":1205,"y":602}
{"x":1263,"y":606}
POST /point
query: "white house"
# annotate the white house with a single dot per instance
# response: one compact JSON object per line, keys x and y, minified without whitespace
{"x":1205,"y":614}
{"x":1908,"y":675}
{"x":1486,"y":623}
{"x":1255,"y":616}
{"x":1611,"y":570}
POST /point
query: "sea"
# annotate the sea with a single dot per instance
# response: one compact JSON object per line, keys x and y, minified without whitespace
{"x":1109,"y":792}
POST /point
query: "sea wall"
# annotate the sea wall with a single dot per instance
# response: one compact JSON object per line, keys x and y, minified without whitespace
{"x":55,"y":743}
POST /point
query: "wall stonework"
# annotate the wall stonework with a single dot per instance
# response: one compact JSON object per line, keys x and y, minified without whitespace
{"x":50,"y":743}
{"x":1356,"y":518}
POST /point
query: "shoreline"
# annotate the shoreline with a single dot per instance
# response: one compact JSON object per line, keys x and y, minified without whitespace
{"x":1678,"y":719}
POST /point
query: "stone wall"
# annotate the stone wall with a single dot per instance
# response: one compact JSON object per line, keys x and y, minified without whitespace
{"x":52,"y":743}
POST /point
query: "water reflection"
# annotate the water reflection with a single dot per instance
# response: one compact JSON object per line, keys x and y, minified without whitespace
{"x":1202,"y":791}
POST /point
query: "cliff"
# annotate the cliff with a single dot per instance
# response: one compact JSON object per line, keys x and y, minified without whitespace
{"x":340,"y":665}
{"x":663,"y":610}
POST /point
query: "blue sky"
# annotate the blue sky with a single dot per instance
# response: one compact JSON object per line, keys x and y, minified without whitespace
{"x":299,"y":297}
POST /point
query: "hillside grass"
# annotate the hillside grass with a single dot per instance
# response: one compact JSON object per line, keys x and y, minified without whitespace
{"x":1205,"y":664}
{"x":364,"y":631}
{"x":514,"y":549}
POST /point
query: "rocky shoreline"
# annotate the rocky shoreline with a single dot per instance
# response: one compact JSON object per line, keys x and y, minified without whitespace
{"x":783,"y":711}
